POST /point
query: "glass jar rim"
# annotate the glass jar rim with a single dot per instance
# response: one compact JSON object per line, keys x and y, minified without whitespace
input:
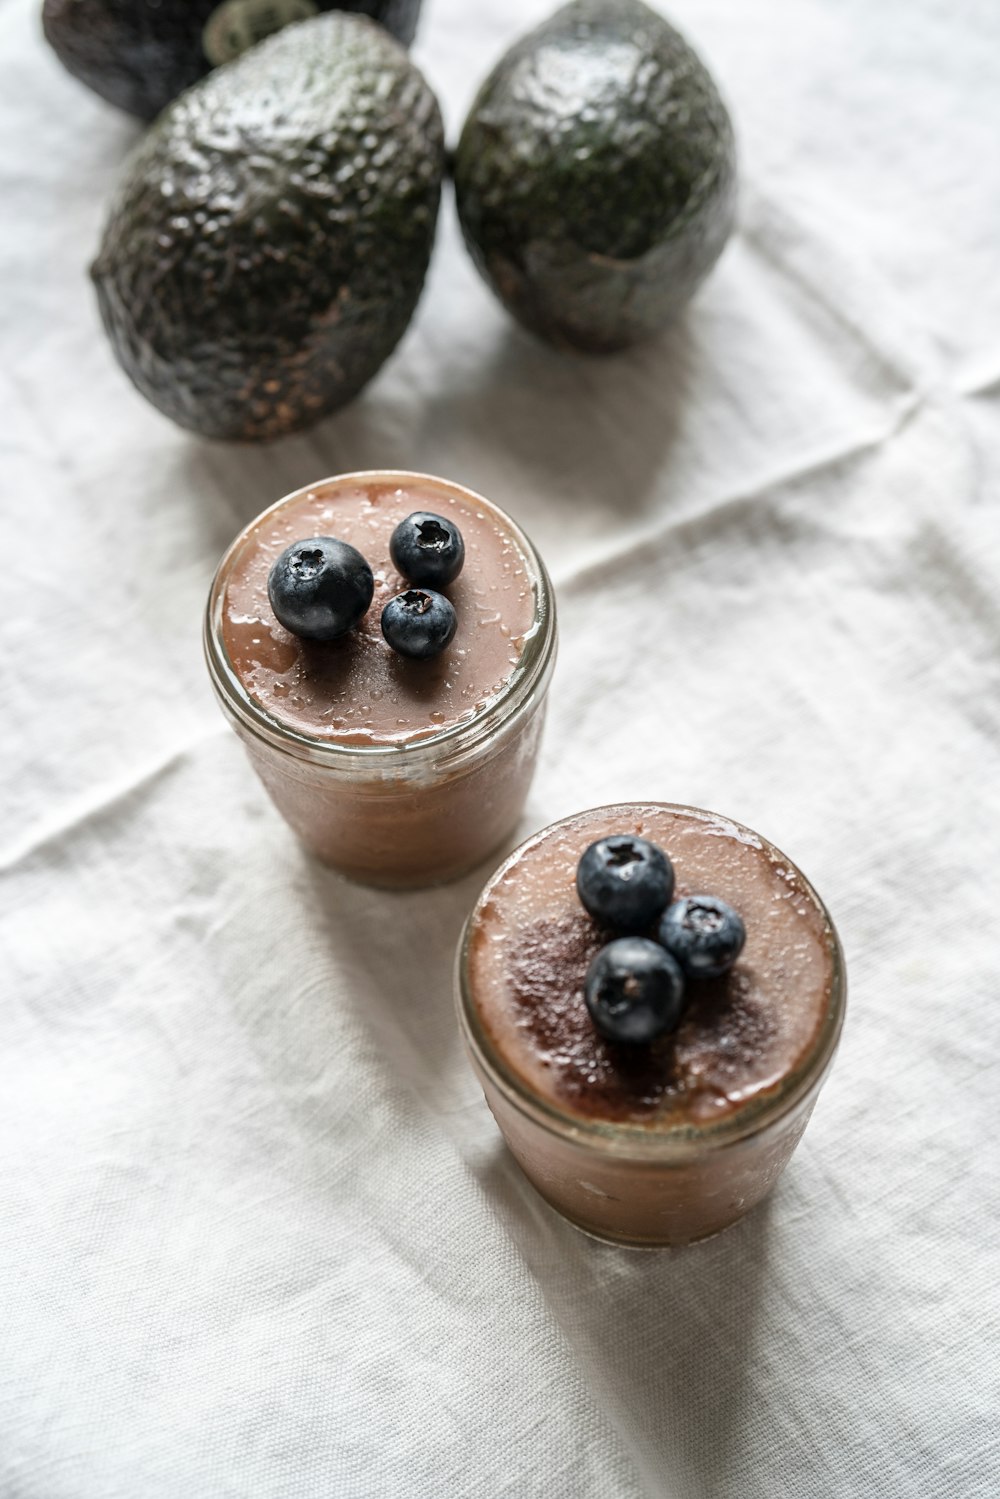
{"x":628,"y":1138}
{"x":451,"y":744}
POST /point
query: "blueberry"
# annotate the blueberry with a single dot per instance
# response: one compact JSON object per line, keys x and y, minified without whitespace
{"x":320,"y":588}
{"x":427,"y":549}
{"x":634,"y":990}
{"x":419,"y":623}
{"x":625,"y":881}
{"x":704,"y":934}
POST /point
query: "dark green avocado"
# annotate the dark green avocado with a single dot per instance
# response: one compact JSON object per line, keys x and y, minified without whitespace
{"x":268,"y":243}
{"x":596,"y":175}
{"x":140,"y":54}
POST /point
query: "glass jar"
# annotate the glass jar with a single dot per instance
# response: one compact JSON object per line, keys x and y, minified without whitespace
{"x":652,"y":1186}
{"x":408,"y":813}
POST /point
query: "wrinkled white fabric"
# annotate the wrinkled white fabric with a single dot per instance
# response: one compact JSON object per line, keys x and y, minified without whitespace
{"x":258,"y":1235}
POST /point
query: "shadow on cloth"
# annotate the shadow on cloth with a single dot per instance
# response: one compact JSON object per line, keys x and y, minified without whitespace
{"x":527,"y":423}
{"x":586,"y":433}
{"x":401,"y":945}
{"x":666,"y":1339}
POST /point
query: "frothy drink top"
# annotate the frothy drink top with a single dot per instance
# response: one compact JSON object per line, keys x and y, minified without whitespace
{"x":740,"y":1036}
{"x":357,"y":691}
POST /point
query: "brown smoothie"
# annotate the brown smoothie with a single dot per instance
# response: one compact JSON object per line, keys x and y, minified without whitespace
{"x":396,"y":771}
{"x":357,"y":691}
{"x":672,"y":1141}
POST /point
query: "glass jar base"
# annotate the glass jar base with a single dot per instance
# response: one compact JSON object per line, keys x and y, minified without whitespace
{"x":417,"y":879}
{"x":647,"y":1246}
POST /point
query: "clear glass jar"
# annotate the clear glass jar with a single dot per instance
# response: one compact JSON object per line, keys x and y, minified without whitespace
{"x":412,"y":813}
{"x":651,"y":1187}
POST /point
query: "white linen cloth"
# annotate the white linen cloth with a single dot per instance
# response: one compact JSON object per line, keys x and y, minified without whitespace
{"x":258,"y":1233}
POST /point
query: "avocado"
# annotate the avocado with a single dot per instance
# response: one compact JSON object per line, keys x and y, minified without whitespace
{"x":595,"y":176}
{"x":140,"y":54}
{"x":267,"y":245}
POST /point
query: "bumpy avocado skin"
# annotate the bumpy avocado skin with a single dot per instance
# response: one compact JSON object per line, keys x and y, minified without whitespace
{"x":140,"y":54}
{"x":267,"y":246}
{"x":596,"y":176}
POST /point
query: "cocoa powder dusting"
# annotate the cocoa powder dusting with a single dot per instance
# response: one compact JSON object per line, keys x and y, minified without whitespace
{"x":546,"y":984}
{"x":723,"y":1029}
{"x":724,"y":1032}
